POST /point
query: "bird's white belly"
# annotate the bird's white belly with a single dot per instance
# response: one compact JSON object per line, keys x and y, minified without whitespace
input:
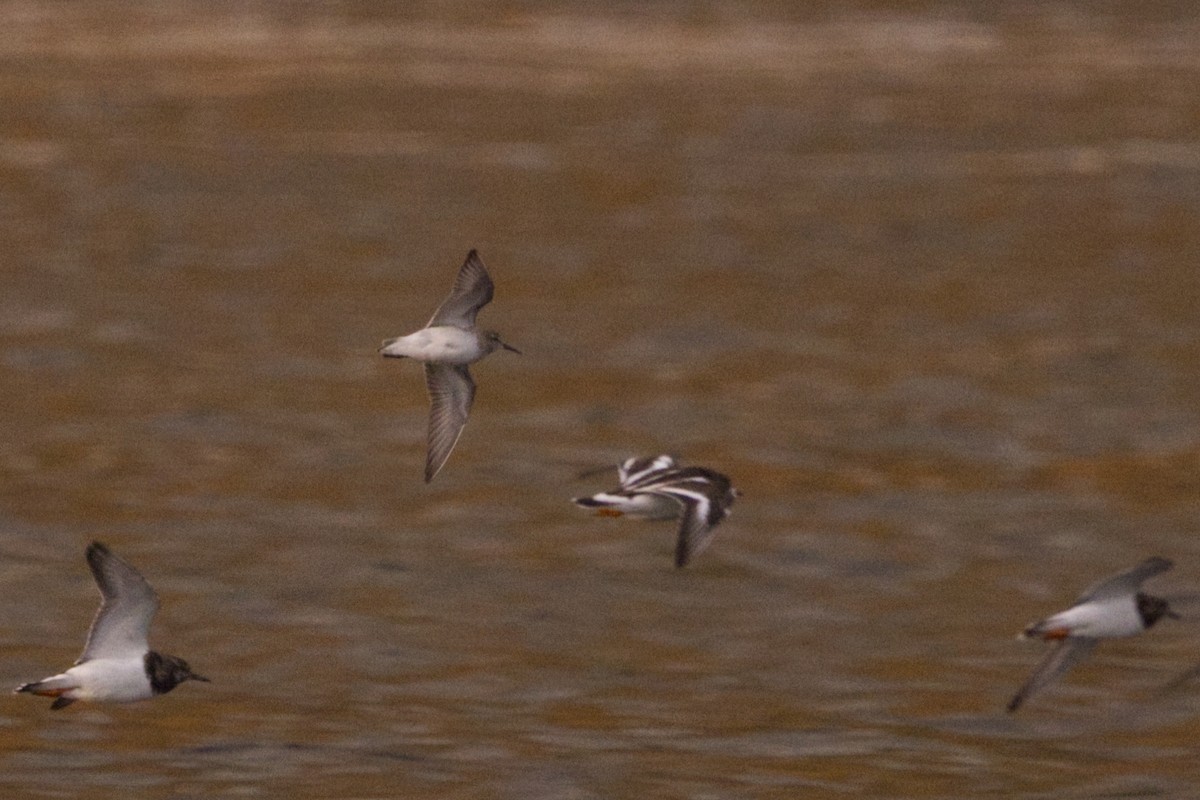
{"x":443,"y":344}
{"x":644,"y":506}
{"x":111,"y":680}
{"x":1100,"y":620}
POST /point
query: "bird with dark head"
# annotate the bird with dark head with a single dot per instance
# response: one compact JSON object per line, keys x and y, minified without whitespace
{"x":1113,"y":608}
{"x":117,"y":664}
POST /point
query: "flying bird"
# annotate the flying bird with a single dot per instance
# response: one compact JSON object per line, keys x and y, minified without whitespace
{"x":117,"y":664}
{"x":1115,"y":607}
{"x":447,"y":345}
{"x":657,"y":488}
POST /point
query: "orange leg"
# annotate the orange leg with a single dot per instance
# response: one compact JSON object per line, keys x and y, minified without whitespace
{"x":609,"y":512}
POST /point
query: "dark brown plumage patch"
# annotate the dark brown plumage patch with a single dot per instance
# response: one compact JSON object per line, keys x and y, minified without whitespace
{"x":167,"y":672}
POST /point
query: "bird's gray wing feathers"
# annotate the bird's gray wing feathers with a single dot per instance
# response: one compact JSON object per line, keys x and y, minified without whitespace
{"x":1127,"y":582}
{"x":451,"y":392}
{"x":122,"y":624}
{"x":1066,"y":654}
{"x":472,"y":291}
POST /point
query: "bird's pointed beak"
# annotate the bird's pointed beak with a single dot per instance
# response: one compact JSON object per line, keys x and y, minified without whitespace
{"x":1172,"y":614}
{"x":193,"y":676}
{"x":510,"y":347}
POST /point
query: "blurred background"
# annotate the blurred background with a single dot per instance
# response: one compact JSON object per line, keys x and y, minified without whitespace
{"x":919,"y":276}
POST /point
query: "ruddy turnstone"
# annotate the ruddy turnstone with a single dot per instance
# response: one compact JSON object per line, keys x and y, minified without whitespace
{"x":657,"y":488}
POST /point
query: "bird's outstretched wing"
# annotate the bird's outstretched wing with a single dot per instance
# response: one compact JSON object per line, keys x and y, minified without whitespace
{"x":1127,"y":582}
{"x":451,"y":392}
{"x":1064,"y":655}
{"x":122,"y":624}
{"x":472,"y":291}
{"x":704,"y":496}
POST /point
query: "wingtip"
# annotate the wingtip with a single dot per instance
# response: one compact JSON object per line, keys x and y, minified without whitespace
{"x":473,"y":257}
{"x":683,"y":552}
{"x":97,"y":552}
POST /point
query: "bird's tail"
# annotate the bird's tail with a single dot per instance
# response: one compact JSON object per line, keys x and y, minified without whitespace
{"x":56,"y":687}
{"x":385,"y":351}
{"x":588,"y":502}
{"x":48,"y":687}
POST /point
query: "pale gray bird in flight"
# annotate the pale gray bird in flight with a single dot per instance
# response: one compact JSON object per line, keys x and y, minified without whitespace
{"x":447,"y":345}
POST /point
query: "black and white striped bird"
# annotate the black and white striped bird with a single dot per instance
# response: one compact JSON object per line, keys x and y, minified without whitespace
{"x":1115,"y":607}
{"x":657,"y":488}
{"x":117,"y":665}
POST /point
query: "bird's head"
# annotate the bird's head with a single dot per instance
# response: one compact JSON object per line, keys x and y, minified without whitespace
{"x":493,"y":342}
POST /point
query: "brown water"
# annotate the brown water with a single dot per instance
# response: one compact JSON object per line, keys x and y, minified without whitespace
{"x":923,"y":282}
